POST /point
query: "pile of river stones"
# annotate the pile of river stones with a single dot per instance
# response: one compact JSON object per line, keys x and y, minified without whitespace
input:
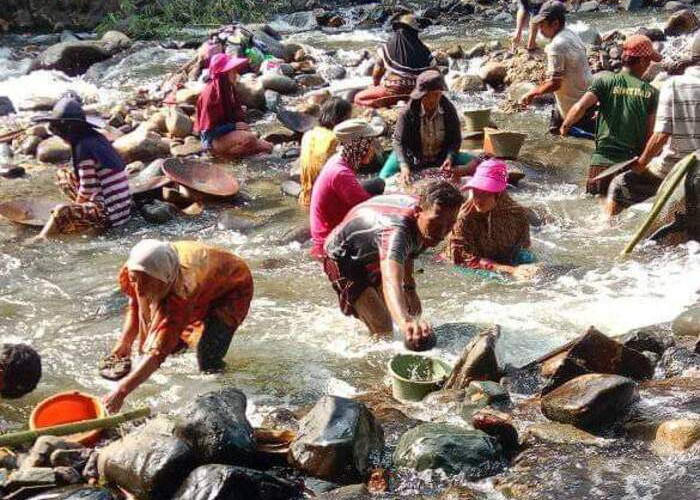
{"x":494,"y":420}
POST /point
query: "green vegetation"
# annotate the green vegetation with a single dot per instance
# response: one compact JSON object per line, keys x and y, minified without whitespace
{"x":166,"y":18}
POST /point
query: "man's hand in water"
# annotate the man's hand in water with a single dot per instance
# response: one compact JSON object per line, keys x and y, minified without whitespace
{"x":122,"y":351}
{"x":527,"y":99}
{"x":416,"y":330}
{"x":114,"y":400}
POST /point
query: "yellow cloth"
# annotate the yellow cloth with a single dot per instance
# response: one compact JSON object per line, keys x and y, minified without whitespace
{"x":317,"y":146}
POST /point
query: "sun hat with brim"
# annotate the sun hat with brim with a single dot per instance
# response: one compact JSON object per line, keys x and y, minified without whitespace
{"x":66,"y":109}
{"x":490,"y":176}
{"x":428,"y":81}
{"x":355,"y":128}
{"x":405,"y":20}
{"x":549,"y":11}
{"x":223,"y":63}
{"x":640,"y":46}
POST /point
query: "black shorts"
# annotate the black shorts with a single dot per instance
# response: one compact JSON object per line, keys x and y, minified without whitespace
{"x":532,"y":8}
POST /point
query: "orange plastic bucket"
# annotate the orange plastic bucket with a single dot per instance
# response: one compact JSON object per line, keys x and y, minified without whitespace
{"x":67,"y":408}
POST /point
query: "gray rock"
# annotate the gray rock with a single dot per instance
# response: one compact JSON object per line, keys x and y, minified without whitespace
{"x":140,"y":145}
{"x":280,"y":135}
{"x":652,"y":339}
{"x":30,"y":476}
{"x":273,"y":100}
{"x":67,"y":475}
{"x":216,"y":428}
{"x":311,"y":80}
{"x":251,"y":93}
{"x":334,"y":72}
{"x":590,"y":36}
{"x":76,"y":459}
{"x":6,"y":106}
{"x":279,"y":83}
{"x":158,"y":212}
{"x":477,"y":50}
{"x":115,"y":41}
{"x":503,"y":17}
{"x":291,"y":188}
{"x":477,"y":361}
{"x":300,"y":234}
{"x":232,"y":220}
{"x":12,"y":171}
{"x":632,"y":5}
{"x":43,"y":449}
{"x":591,"y":6}
{"x":336,"y":439}
{"x":593,"y":402}
{"x":687,"y":324}
{"x":491,"y":392}
{"x":72,"y":57}
{"x":281,"y":419}
{"x":681,"y":23}
{"x":352,"y":492}
{"x":675,"y":6}
{"x":77,"y":493}
{"x":273,"y":46}
{"x":53,"y":150}
{"x":467,"y":83}
{"x":453,"y":449}
{"x":224,"y":482}
{"x":677,"y":360}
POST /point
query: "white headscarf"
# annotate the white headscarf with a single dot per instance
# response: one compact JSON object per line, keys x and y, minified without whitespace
{"x":157,"y":259}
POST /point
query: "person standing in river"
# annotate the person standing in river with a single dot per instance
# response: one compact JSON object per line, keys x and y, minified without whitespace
{"x":97,"y":184}
{"x":220,"y":119}
{"x":568,"y":74}
{"x":527,"y":10}
{"x":626,"y":115}
{"x":182,"y":294}
{"x":370,"y":258}
{"x":399,"y":62}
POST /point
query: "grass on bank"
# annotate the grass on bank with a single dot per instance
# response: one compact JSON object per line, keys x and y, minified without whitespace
{"x":149,"y":19}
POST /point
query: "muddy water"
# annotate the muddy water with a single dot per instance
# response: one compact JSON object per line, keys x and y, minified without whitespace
{"x":295,"y":345}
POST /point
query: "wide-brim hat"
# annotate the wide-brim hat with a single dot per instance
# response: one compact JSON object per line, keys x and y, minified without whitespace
{"x":428,"y":81}
{"x":490,"y":176}
{"x":356,"y":128}
{"x":223,"y":63}
{"x":67,"y":109}
{"x":407,"y":21}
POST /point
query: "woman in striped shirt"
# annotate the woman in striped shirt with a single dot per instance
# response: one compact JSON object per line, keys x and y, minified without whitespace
{"x":97,"y":185}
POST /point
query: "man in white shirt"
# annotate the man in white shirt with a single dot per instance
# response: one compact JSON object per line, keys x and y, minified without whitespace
{"x":568,"y":74}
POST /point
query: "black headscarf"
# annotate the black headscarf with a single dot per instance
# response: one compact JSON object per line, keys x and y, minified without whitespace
{"x":406,"y":52}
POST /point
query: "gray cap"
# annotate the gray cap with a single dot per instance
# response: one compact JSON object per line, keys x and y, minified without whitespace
{"x":549,"y":11}
{"x":355,"y":128}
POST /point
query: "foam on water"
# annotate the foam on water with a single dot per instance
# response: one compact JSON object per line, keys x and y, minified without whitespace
{"x":43,"y":84}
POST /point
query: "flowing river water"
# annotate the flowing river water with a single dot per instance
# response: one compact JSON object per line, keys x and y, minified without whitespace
{"x":295,"y":345}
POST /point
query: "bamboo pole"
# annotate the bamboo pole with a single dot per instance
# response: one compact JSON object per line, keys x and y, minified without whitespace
{"x":7,"y":137}
{"x":17,"y":438}
{"x":679,"y":174}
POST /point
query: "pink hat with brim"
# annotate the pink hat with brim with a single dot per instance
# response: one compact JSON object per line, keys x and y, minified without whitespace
{"x":490,"y":176}
{"x":223,"y":63}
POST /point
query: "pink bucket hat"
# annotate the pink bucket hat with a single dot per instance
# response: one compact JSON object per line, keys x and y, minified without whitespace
{"x":223,"y":63}
{"x":490,"y":176}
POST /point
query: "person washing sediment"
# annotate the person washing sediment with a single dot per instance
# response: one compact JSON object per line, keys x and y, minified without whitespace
{"x":182,"y":294}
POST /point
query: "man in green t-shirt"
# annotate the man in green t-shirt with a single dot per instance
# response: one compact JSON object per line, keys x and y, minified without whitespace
{"x":626,"y":113}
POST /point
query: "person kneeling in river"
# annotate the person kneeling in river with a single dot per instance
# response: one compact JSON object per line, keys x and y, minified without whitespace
{"x":20,"y":370}
{"x":97,"y":185}
{"x":369,"y":258}
{"x":220,"y":117}
{"x":428,"y":134}
{"x":183,"y":294}
{"x":337,"y":189}
{"x":492,"y":231}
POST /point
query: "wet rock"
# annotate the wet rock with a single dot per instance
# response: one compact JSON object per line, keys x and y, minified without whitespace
{"x":456,"y":52}
{"x":591,"y":6}
{"x":73,"y":58}
{"x":190,"y":147}
{"x":12,"y":171}
{"x":311,"y":80}
{"x":53,"y":150}
{"x":273,"y":100}
{"x":687,"y":324}
{"x":681,"y":23}
{"x":187,"y":96}
{"x":156,"y":123}
{"x":67,"y":475}
{"x":335,"y":72}
{"x":652,"y":339}
{"x":6,"y":106}
{"x":223,"y":482}
{"x":499,"y":425}
{"x":216,"y":428}
{"x":42,"y":450}
{"x":273,"y":46}
{"x":477,"y":362}
{"x":291,"y":188}
{"x":526,"y":380}
{"x":280,"y":135}
{"x":279,"y":83}
{"x":30,"y":476}
{"x":77,"y":493}
{"x":590,"y":36}
{"x":679,"y":360}
{"x":148,"y":463}
{"x":178,"y":123}
{"x":29,"y":145}
{"x":461,"y":493}
{"x":453,"y":449}
{"x":76,"y":458}
{"x":141,"y":145}
{"x":352,"y":492}
{"x":556,"y":433}
{"x":632,"y":5}
{"x":8,"y":460}
{"x":477,"y":50}
{"x":467,"y":83}
{"x":232,"y":220}
{"x":674,"y":6}
{"x":299,"y":234}
{"x":336,"y":439}
{"x":488,"y":391}
{"x":281,"y":419}
{"x":158,"y":212}
{"x":493,"y":74}
{"x":678,"y":435}
{"x":593,"y":402}
{"x":251,"y":93}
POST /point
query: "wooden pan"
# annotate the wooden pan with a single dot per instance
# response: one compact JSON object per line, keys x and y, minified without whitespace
{"x":139,"y":186}
{"x":29,"y":212}
{"x":203,"y":177}
{"x":296,"y":121}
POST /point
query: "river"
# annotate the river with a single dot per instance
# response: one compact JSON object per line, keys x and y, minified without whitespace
{"x":295,"y":345}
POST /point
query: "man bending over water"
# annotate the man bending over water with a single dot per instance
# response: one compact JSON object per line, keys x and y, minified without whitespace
{"x":369,"y":258}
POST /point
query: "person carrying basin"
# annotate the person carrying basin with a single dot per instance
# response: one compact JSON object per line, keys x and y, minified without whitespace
{"x":337,"y":188}
{"x":20,"y":370}
{"x":182,"y":294}
{"x":220,"y":119}
{"x":398,"y":63}
{"x":568,"y":73}
{"x":492,"y":231}
{"x":320,"y":143}
{"x":428,"y":134}
{"x":97,"y":184}
{"x":370,"y":257}
{"x":626,"y":115}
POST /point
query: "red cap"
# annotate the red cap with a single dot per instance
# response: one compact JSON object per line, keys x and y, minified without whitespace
{"x":640,"y":46}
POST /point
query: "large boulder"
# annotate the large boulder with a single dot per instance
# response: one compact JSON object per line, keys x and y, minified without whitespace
{"x":148,"y":463}
{"x":224,"y":482}
{"x":53,"y":150}
{"x":682,"y":23}
{"x":115,"y":41}
{"x":72,"y":57}
{"x":687,"y":324}
{"x":336,"y":439}
{"x":251,"y":93}
{"x":477,"y":362}
{"x":6,"y":106}
{"x":141,"y":145}
{"x":270,"y":45}
{"x":493,"y":73}
{"x":453,"y":449}
{"x":593,"y":402}
{"x":216,"y":428}
{"x":178,"y":123}
{"x":467,"y":83}
{"x":654,"y":339}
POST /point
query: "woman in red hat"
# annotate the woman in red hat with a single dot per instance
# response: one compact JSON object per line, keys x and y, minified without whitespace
{"x":220,"y":117}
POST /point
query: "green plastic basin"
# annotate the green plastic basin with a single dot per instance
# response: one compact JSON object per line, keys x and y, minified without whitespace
{"x":413,"y":376}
